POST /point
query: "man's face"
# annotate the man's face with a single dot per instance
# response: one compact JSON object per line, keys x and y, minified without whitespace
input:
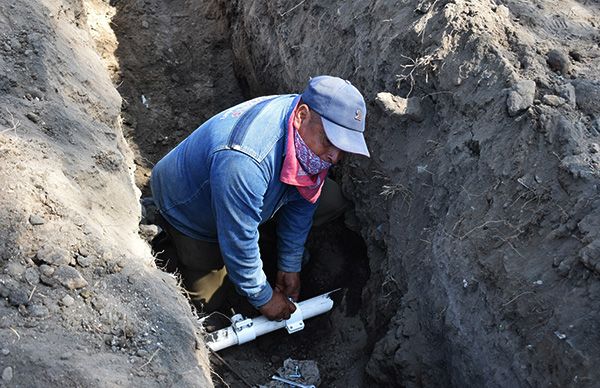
{"x":310,"y":128}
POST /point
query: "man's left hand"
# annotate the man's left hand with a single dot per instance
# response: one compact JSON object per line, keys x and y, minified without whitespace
{"x":289,"y":284}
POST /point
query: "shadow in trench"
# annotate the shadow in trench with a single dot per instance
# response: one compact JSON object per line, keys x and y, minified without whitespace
{"x":175,"y":70}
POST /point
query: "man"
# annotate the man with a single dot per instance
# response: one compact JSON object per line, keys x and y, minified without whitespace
{"x":265,"y":156}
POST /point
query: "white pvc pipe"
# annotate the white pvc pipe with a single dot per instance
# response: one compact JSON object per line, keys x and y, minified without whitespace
{"x":309,"y":308}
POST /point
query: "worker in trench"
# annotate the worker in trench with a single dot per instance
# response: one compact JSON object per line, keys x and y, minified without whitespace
{"x":264,"y":159}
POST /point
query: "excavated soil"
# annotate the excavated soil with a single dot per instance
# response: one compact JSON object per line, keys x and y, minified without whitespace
{"x":471,"y":257}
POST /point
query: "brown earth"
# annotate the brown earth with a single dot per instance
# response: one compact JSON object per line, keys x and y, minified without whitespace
{"x":479,"y":208}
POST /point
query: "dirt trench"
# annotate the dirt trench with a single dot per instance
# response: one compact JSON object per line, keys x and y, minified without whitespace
{"x":478,"y":210}
{"x":478,"y":206}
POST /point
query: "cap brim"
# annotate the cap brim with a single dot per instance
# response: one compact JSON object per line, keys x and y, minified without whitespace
{"x":345,"y":139}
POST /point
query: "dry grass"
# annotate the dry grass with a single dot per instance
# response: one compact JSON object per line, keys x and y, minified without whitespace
{"x":15,"y":124}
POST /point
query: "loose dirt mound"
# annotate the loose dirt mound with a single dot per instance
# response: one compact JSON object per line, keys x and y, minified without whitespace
{"x":82,"y":302}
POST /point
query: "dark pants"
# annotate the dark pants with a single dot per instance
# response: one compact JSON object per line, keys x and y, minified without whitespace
{"x":201,"y":264}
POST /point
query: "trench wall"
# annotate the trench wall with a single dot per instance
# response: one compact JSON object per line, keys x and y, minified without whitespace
{"x":480,"y":219}
{"x":83,"y":303}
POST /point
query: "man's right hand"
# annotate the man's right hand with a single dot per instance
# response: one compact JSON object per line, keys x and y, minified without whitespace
{"x":278,"y":308}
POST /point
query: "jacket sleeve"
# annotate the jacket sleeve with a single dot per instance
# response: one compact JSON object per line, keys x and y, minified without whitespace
{"x":238,"y":186}
{"x":294,"y":223}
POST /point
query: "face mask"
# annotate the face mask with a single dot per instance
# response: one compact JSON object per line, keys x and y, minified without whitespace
{"x":310,"y":162}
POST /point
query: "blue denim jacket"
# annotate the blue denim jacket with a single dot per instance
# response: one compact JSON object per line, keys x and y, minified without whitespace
{"x":218,"y":185}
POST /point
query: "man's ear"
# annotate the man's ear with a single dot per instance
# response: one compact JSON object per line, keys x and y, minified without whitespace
{"x":300,"y":115}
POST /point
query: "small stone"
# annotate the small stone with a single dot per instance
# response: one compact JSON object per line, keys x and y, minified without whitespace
{"x":54,"y":256}
{"x":18,"y":297}
{"x":402,"y":107}
{"x":47,"y":270}
{"x":86,"y":294}
{"x":567,"y":91}
{"x":145,"y":24}
{"x":5,"y":352}
{"x":86,"y":261}
{"x":67,"y":301}
{"x":552,"y":100}
{"x":84,"y":251}
{"x":66,"y":356}
{"x":69,"y":277}
{"x":15,"y":269}
{"x":33,"y":117}
{"x":14,"y":43}
{"x":520,"y":98}
{"x":38,"y":311}
{"x":36,"y":219}
{"x":32,"y":276}
{"x":563,"y":268}
{"x":7,"y":374}
{"x":142,"y":353}
{"x":558,"y":62}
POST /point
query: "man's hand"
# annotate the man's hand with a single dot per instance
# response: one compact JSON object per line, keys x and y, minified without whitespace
{"x":278,"y":308}
{"x":289,"y":284}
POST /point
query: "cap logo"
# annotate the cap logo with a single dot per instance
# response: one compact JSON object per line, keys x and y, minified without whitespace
{"x":358,"y":115}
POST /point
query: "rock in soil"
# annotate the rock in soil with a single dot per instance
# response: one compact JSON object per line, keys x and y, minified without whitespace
{"x":520,"y":98}
{"x":588,"y":96}
{"x":38,"y":310}
{"x":47,"y":270}
{"x":35,"y":219}
{"x":69,"y":277}
{"x":552,"y":100}
{"x":15,"y":269}
{"x":54,"y":256}
{"x":567,"y":91}
{"x":7,"y":374}
{"x":32,"y":276}
{"x":86,"y":261}
{"x":18,"y":297}
{"x":401,"y":107}
{"x":67,"y":301}
{"x":558,"y":62}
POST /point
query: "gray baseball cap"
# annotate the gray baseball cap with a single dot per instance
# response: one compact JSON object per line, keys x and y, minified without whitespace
{"x":342,"y":109}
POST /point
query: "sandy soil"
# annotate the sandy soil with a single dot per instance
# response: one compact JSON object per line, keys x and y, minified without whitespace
{"x":478,"y":211}
{"x":82,"y":303}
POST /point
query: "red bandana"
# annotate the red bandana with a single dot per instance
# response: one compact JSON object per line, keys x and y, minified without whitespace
{"x":292,"y":172}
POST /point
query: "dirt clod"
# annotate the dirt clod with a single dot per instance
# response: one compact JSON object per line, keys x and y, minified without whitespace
{"x":520,"y":98}
{"x":401,"y":107}
{"x":32,"y":276}
{"x":18,"y":297}
{"x":54,"y":256}
{"x":558,"y":61}
{"x":7,"y":374}
{"x":69,"y":277}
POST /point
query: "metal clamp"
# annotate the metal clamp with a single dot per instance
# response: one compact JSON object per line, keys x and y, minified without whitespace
{"x":296,"y":322}
{"x":243,"y":328}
